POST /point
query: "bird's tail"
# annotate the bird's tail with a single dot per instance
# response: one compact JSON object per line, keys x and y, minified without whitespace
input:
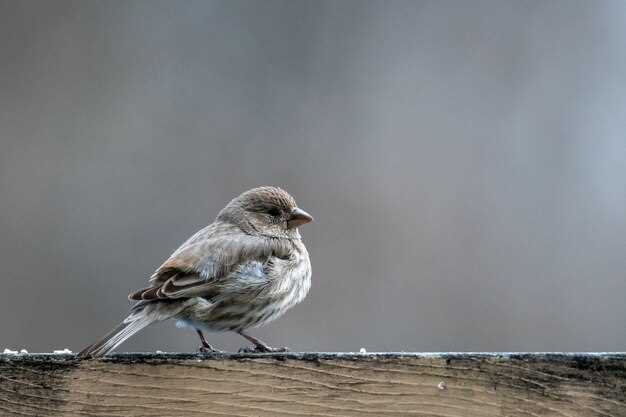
{"x":141,"y":315}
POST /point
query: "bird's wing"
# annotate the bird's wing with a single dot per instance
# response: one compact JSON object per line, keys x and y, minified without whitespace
{"x":204,"y":265}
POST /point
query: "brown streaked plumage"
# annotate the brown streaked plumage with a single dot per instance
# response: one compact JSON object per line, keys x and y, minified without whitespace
{"x":243,"y":270}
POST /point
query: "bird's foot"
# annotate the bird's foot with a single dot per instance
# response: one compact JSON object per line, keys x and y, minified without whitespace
{"x":209,"y":349}
{"x":262,"y":349}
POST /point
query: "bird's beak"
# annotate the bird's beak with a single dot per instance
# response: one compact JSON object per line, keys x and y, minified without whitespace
{"x":298,"y":217}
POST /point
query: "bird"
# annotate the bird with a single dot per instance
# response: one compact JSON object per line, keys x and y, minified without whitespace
{"x":244,"y":270}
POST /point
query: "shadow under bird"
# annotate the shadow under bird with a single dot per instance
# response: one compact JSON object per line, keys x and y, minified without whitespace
{"x":243,"y":270}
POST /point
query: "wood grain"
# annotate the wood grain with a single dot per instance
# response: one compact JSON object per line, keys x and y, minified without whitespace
{"x":324,"y":385}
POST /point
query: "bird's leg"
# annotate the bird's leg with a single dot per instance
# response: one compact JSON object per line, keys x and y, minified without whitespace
{"x":205,"y":347}
{"x":259,"y":345}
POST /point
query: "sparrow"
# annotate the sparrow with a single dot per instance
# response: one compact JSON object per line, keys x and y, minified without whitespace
{"x":244,"y":270}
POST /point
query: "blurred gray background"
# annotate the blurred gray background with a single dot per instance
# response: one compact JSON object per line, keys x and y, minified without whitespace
{"x":465,"y":162}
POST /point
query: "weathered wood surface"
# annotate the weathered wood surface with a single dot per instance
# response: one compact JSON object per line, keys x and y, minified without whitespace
{"x":315,"y":384}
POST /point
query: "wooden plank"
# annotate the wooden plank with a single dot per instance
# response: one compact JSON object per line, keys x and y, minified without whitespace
{"x":315,"y":384}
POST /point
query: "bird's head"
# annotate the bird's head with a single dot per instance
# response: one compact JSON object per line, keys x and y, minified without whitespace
{"x":269,"y":211}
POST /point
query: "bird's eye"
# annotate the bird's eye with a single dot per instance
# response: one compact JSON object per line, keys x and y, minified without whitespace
{"x":273,"y":211}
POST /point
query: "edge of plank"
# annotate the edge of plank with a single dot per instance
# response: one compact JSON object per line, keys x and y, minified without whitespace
{"x":581,"y":358}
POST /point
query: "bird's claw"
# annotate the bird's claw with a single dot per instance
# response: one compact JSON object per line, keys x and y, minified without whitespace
{"x":209,"y":349}
{"x":262,"y":349}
